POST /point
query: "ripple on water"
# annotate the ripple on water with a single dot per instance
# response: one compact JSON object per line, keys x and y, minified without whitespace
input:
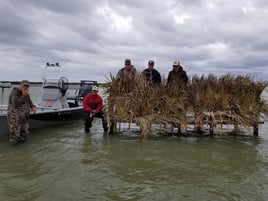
{"x":67,"y":164}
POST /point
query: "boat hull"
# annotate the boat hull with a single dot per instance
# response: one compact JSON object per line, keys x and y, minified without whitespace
{"x":45,"y":118}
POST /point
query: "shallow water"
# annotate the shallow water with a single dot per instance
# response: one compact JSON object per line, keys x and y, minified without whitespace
{"x":67,"y":164}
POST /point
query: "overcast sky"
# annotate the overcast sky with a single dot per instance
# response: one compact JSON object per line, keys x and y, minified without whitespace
{"x":91,"y":39}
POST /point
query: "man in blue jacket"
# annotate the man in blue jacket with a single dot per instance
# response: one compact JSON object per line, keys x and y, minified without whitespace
{"x":151,"y":74}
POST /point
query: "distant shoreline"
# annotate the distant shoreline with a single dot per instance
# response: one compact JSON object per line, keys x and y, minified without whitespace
{"x":40,"y":83}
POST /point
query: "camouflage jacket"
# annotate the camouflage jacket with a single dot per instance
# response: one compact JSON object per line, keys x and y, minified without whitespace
{"x":17,"y":101}
{"x":124,"y":74}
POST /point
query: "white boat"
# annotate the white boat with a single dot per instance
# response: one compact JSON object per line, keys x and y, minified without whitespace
{"x":56,"y":105}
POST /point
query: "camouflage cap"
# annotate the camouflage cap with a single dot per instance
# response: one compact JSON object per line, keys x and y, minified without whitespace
{"x":25,"y":83}
{"x":128,"y":61}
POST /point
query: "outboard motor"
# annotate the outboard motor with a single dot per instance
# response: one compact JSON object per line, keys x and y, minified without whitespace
{"x":85,"y":89}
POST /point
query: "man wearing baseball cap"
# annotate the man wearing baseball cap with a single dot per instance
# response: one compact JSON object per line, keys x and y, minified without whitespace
{"x":19,"y":107}
{"x":93,"y":105}
{"x":151,"y":74}
{"x":127,"y":72}
{"x":177,"y":75}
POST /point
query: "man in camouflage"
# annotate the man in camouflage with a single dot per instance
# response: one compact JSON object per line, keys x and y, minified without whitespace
{"x":19,"y":107}
{"x":127,"y":72}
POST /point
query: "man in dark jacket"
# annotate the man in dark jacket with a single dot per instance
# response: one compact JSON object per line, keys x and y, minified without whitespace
{"x":177,"y":76}
{"x":151,"y":74}
{"x":93,"y":105}
{"x":19,"y":107}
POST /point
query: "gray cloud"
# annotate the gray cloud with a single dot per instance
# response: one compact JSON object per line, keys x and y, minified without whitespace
{"x":92,"y":38}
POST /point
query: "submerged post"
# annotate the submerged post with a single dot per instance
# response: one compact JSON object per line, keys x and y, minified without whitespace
{"x":256,"y":129}
{"x":2,"y":96}
{"x":256,"y":126}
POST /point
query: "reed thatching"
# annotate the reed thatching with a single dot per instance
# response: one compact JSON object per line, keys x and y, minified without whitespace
{"x":229,"y":99}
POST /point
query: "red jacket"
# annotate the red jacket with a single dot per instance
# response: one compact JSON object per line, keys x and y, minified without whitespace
{"x":92,"y":102}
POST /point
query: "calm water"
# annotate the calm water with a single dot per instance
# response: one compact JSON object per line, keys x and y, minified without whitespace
{"x":66,"y":164}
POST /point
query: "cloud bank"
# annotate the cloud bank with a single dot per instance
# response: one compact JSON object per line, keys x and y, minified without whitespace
{"x":91,"y":39}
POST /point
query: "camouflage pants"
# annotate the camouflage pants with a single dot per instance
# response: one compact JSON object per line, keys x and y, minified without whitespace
{"x":18,"y":125}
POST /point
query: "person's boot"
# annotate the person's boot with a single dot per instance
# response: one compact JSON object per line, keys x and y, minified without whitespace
{"x":105,"y":128}
{"x":105,"y":125}
{"x":13,"y":141}
{"x":23,"y":137}
{"x":88,"y":124}
{"x":111,"y":128}
{"x":87,"y":127}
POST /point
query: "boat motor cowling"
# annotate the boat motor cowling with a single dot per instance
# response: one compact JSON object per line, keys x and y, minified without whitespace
{"x":85,"y":89}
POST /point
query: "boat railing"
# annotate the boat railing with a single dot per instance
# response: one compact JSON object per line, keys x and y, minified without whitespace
{"x":4,"y":85}
{"x":50,"y":82}
{"x":3,"y":108}
{"x":91,"y":82}
{"x":41,"y":107}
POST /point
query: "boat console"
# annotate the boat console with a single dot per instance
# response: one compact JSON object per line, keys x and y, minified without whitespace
{"x":59,"y":94}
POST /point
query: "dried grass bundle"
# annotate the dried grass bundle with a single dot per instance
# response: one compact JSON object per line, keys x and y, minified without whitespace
{"x":215,"y":101}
